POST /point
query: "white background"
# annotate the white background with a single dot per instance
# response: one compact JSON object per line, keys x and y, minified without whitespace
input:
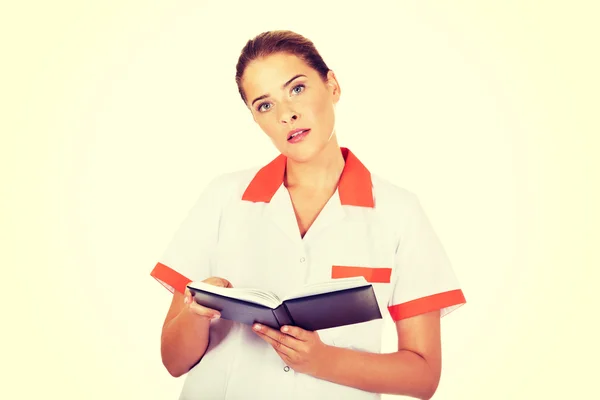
{"x":116,"y":114}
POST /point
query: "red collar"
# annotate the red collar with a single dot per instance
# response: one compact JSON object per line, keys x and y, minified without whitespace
{"x":355,"y":186}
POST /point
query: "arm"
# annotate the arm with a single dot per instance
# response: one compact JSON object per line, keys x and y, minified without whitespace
{"x":414,"y":370}
{"x":185,"y":332}
{"x":184,"y":337}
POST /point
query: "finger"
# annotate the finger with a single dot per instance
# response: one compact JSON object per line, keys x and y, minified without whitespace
{"x":201,"y":310}
{"x":277,"y":336}
{"x":281,"y":349}
{"x":188,"y":298}
{"x":286,"y":358}
{"x":296,"y":332}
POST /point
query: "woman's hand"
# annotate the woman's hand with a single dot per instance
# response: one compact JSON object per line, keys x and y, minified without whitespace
{"x":300,"y":349}
{"x":205,"y":312}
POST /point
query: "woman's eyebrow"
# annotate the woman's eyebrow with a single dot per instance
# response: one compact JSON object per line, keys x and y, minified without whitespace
{"x":264,"y":96}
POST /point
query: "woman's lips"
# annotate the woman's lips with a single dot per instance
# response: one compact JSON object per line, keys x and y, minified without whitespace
{"x":298,"y":135}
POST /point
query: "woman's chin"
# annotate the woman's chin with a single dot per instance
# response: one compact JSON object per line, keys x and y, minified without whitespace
{"x":304,"y":152}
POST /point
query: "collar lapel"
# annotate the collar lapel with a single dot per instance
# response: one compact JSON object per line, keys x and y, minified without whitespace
{"x":355,"y":185}
{"x":354,"y":189}
{"x":332,"y":212}
{"x":280,"y":211}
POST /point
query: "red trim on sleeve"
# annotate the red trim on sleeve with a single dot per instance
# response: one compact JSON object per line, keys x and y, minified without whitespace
{"x":170,"y":278}
{"x":426,"y":304}
{"x":373,"y":275}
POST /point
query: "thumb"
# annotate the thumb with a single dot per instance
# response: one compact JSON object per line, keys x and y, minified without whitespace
{"x":217,"y":281}
{"x":224,"y":283}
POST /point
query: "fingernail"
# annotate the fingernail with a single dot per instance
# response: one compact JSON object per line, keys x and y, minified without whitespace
{"x":257,"y":327}
{"x":216,"y":316}
{"x":285,"y":329}
{"x":186,"y":300}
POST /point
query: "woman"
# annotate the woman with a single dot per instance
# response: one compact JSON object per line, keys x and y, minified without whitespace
{"x":313,"y":213}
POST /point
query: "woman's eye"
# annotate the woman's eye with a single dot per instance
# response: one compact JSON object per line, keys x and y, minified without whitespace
{"x":298,"y":89}
{"x":263,"y":106}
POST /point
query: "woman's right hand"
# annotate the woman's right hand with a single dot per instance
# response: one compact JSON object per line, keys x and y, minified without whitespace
{"x":205,"y":312}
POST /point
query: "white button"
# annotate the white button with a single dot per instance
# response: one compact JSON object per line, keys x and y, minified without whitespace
{"x":286,"y":368}
{"x":302,"y":259}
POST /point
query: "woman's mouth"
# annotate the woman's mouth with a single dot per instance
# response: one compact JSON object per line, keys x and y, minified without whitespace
{"x":297,"y":135}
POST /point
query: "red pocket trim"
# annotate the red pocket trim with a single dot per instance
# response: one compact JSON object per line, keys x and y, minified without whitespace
{"x":372,"y":275}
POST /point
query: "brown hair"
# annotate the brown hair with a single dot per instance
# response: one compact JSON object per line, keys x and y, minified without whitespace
{"x":281,"y":41}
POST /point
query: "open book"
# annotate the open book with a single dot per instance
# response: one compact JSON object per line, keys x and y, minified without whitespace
{"x":313,"y":307}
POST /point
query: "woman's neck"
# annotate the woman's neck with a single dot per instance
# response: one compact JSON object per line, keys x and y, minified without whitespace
{"x":321,"y":173}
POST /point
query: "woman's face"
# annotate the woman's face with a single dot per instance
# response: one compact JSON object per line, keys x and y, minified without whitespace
{"x":292,"y":104}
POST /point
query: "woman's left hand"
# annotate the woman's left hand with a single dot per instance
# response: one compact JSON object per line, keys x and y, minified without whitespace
{"x":300,"y":349}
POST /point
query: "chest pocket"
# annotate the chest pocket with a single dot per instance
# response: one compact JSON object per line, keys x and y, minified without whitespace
{"x":371,"y":274}
{"x":365,"y":336}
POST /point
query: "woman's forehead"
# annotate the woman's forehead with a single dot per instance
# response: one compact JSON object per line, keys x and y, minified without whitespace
{"x":271,"y":72}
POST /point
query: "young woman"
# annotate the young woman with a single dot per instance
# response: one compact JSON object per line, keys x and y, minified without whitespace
{"x":313,"y":213}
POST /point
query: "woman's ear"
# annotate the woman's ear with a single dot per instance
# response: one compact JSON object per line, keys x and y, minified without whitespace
{"x":333,"y":85}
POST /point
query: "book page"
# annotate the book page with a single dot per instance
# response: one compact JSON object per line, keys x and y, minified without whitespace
{"x":250,"y":295}
{"x":327,"y":287}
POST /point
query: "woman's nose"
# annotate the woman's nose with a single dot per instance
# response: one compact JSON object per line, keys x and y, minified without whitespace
{"x":288,"y":115}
